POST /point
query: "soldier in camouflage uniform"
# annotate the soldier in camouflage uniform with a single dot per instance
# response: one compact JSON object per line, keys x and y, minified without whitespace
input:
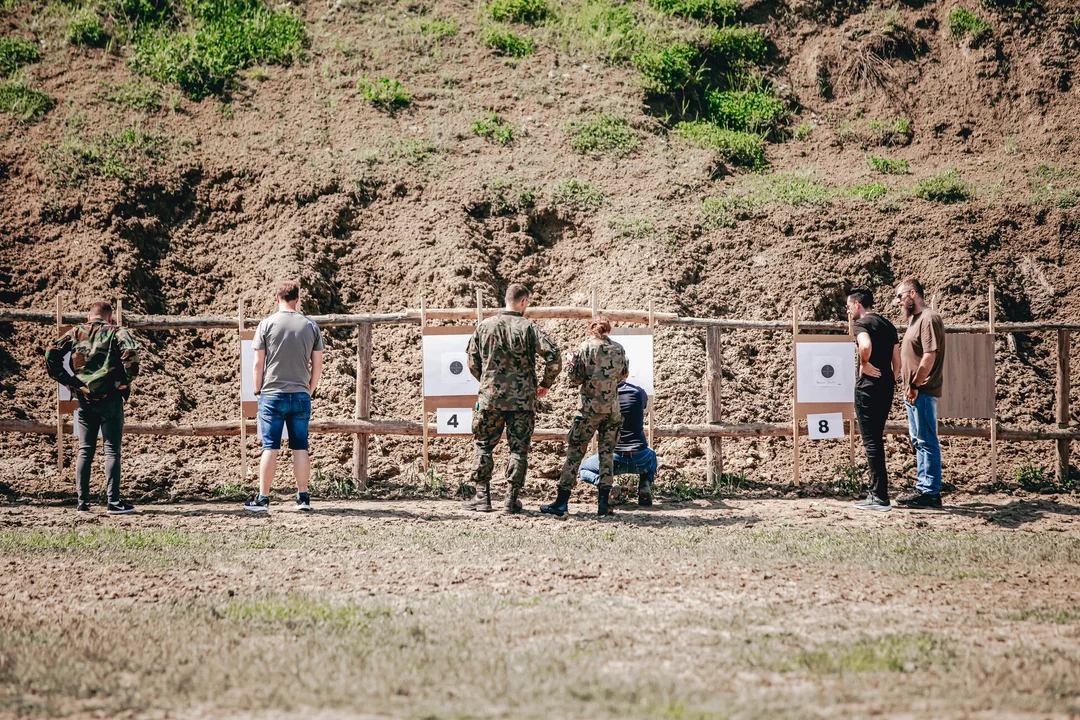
{"x":502,"y":356}
{"x":598,"y":367}
{"x":104,"y":360}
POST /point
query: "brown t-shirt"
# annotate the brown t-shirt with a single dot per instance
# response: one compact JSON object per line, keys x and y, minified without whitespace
{"x":925,"y":333}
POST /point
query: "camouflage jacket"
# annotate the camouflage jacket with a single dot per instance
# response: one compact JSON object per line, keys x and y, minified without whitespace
{"x":598,"y":366}
{"x":103,"y":357}
{"x":502,"y":356}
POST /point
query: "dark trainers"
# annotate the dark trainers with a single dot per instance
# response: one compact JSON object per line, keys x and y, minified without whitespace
{"x":118,"y":508}
{"x":303,"y":501}
{"x":84,"y":507}
{"x":923,"y":500}
{"x":559,"y":507}
{"x":644,"y":493}
{"x":258,"y":503}
{"x":872,"y":503}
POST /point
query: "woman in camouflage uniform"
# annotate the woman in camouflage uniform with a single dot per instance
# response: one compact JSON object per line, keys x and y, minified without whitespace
{"x":597,"y":367}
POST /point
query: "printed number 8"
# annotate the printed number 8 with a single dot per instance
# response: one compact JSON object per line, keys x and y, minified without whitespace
{"x":823,"y":426}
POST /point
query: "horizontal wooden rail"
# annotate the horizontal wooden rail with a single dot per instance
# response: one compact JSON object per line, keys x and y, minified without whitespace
{"x":409,"y":428}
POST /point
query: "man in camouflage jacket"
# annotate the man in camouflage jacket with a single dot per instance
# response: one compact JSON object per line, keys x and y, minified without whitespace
{"x":104,"y":359}
{"x":598,"y":367}
{"x":502,"y":356}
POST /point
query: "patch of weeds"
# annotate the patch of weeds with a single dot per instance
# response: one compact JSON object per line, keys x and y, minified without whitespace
{"x":945,"y":187}
{"x":504,"y":42}
{"x":298,"y":610}
{"x":604,"y":133}
{"x":718,"y":11}
{"x":1063,"y":616}
{"x":330,"y":484}
{"x":1022,"y":6}
{"x":793,"y":189}
{"x":125,"y":155}
{"x":870,"y":192}
{"x":384,"y":94}
{"x":747,"y":111}
{"x":220,"y":38}
{"x":437,"y":29}
{"x":607,"y":28}
{"x":1012,"y":145}
{"x":962,"y":22}
{"x":895,"y":653}
{"x":84,"y":28}
{"x":683,"y":486}
{"x":502,"y":196}
{"x":135,"y":95}
{"x":739,"y":148}
{"x":413,"y":152}
{"x":16,"y":52}
{"x":577,"y":195}
{"x":888,"y":167}
{"x":1034,"y":479}
{"x":527,"y":12}
{"x":802,"y":131}
{"x":736,"y":47}
{"x":94,"y":539}
{"x":25,"y":103}
{"x":1075,"y":23}
{"x":848,"y":479}
{"x":1051,"y":187}
{"x":629,"y":226}
{"x":670,"y":69}
{"x":891,"y":132}
{"x":494,"y":128}
{"x":231,"y":491}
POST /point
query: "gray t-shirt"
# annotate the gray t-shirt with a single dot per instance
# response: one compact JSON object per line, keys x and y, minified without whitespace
{"x":289,"y":338}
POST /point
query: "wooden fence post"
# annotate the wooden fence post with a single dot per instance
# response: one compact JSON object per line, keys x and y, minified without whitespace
{"x":59,"y":414}
{"x":1063,"y":389}
{"x":713,"y":365}
{"x":243,"y":420}
{"x":363,"y":404}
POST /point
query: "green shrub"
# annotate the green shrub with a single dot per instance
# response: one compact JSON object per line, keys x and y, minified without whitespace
{"x":740,"y":148}
{"x":945,"y":187}
{"x":629,"y":226}
{"x":873,"y":191}
{"x":529,"y":12}
{"x":84,"y":28}
{"x":802,"y":131}
{"x":962,"y":21}
{"x":133,"y":17}
{"x":891,"y":132}
{"x":1033,"y":479}
{"x":125,"y":155}
{"x":670,"y":69}
{"x":719,"y":11}
{"x":781,"y":189}
{"x":437,"y":29}
{"x":135,"y":95}
{"x":603,"y":133}
{"x":502,"y":196}
{"x":26,"y":104}
{"x":221,"y":38}
{"x":385,"y":94}
{"x":16,"y":52}
{"x":888,"y":167}
{"x":755,"y":112}
{"x":507,"y":43}
{"x":606,"y":28}
{"x":494,"y":128}
{"x":577,"y":195}
{"x":736,"y":47}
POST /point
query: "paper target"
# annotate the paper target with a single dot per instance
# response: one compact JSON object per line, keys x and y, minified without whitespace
{"x":247,"y":372}
{"x":65,"y":394}
{"x":826,"y":372}
{"x":639,"y":353}
{"x":446,"y":366}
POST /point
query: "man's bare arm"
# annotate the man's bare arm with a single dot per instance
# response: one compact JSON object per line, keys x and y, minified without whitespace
{"x":865,"y":349}
{"x":257,"y":369}
{"x":926,"y":364}
{"x":896,"y":361}
{"x":316,"y":369}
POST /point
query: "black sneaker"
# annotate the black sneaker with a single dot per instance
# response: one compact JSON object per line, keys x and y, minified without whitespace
{"x":872,"y":503}
{"x":84,"y":507}
{"x":303,"y":502}
{"x":923,"y":500}
{"x":258,"y":504}
{"x":119,"y":508}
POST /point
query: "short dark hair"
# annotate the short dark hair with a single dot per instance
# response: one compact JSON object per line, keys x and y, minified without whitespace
{"x":912,"y":284}
{"x":288,"y":290}
{"x":516,"y":293}
{"x":863,"y":296}
{"x":100,"y":308}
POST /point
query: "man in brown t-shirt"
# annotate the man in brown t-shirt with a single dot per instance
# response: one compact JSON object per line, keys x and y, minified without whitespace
{"x":922,"y":364}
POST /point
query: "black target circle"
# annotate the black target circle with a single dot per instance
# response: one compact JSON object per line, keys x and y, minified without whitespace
{"x":456,"y":367}
{"x":827,"y":371}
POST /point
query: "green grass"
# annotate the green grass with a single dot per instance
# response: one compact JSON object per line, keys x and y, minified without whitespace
{"x":384,"y":94}
{"x":503,"y":195}
{"x":1054,"y":187}
{"x":718,"y":11}
{"x":330,"y":484}
{"x":871,"y":191}
{"x":736,"y":47}
{"x":603,"y":133}
{"x":945,"y":187}
{"x":232,"y":491}
{"x":134,"y":94}
{"x":125,"y":155}
{"x":893,"y":653}
{"x":492,"y":127}
{"x":897,"y":131}
{"x":608,"y":29}
{"x":24,"y":103}
{"x":962,"y":22}
{"x":577,"y":195}
{"x":84,"y":28}
{"x":630,"y":226}
{"x":669,"y":70}
{"x":436,"y":29}
{"x":294,"y":610}
{"x":103,"y":538}
{"x":413,"y":151}
{"x":217,"y":40}
{"x":1063,"y":616}
{"x":793,"y":189}
{"x":527,"y":12}
{"x":888,"y":167}
{"x":802,"y":131}
{"x":16,"y":52}
{"x":739,"y":148}
{"x":747,"y":111}
{"x":505,"y":42}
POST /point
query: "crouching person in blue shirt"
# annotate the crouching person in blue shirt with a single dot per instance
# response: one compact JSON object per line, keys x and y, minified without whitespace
{"x":633,"y":456}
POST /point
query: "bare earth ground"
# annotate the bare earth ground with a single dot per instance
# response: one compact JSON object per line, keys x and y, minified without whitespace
{"x":733,"y":608}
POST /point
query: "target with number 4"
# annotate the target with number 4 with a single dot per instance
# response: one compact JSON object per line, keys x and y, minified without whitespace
{"x":453,"y":421}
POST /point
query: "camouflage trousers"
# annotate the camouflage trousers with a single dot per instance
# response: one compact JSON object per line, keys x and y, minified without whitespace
{"x":607,"y":428}
{"x":487,"y":428}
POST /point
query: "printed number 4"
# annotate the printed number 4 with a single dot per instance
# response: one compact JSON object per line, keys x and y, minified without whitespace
{"x":453,"y":421}
{"x":823,"y":426}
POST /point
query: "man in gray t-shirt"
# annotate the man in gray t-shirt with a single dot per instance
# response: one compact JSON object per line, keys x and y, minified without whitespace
{"x":288,"y":363}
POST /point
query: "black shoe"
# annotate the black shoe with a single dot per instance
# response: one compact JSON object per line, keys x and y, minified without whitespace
{"x":303,"y":502}
{"x":559,"y":507}
{"x":84,"y":507}
{"x":258,"y":504}
{"x":644,"y":493}
{"x":602,"y":506}
{"x":873,"y":503}
{"x":923,"y":500}
{"x":118,"y":508}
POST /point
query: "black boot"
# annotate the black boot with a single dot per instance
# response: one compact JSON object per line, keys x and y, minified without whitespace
{"x":602,"y":503}
{"x":557,"y":508}
{"x":644,"y":492}
{"x":481,"y":502}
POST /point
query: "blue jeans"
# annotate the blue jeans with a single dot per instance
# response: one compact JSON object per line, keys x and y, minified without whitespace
{"x":643,"y":462}
{"x":280,"y":409}
{"x":922,"y":425}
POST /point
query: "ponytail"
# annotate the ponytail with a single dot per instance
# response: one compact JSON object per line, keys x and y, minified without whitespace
{"x":599,"y":326}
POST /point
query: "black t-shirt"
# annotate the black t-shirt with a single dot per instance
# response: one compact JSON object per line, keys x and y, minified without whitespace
{"x":883,"y":339}
{"x":632,"y":402}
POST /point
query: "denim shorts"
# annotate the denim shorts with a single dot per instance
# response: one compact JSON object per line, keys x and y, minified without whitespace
{"x":277,"y":410}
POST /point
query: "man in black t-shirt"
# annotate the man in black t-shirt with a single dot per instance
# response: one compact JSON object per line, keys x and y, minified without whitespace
{"x":879,"y":365}
{"x":633,"y":456}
